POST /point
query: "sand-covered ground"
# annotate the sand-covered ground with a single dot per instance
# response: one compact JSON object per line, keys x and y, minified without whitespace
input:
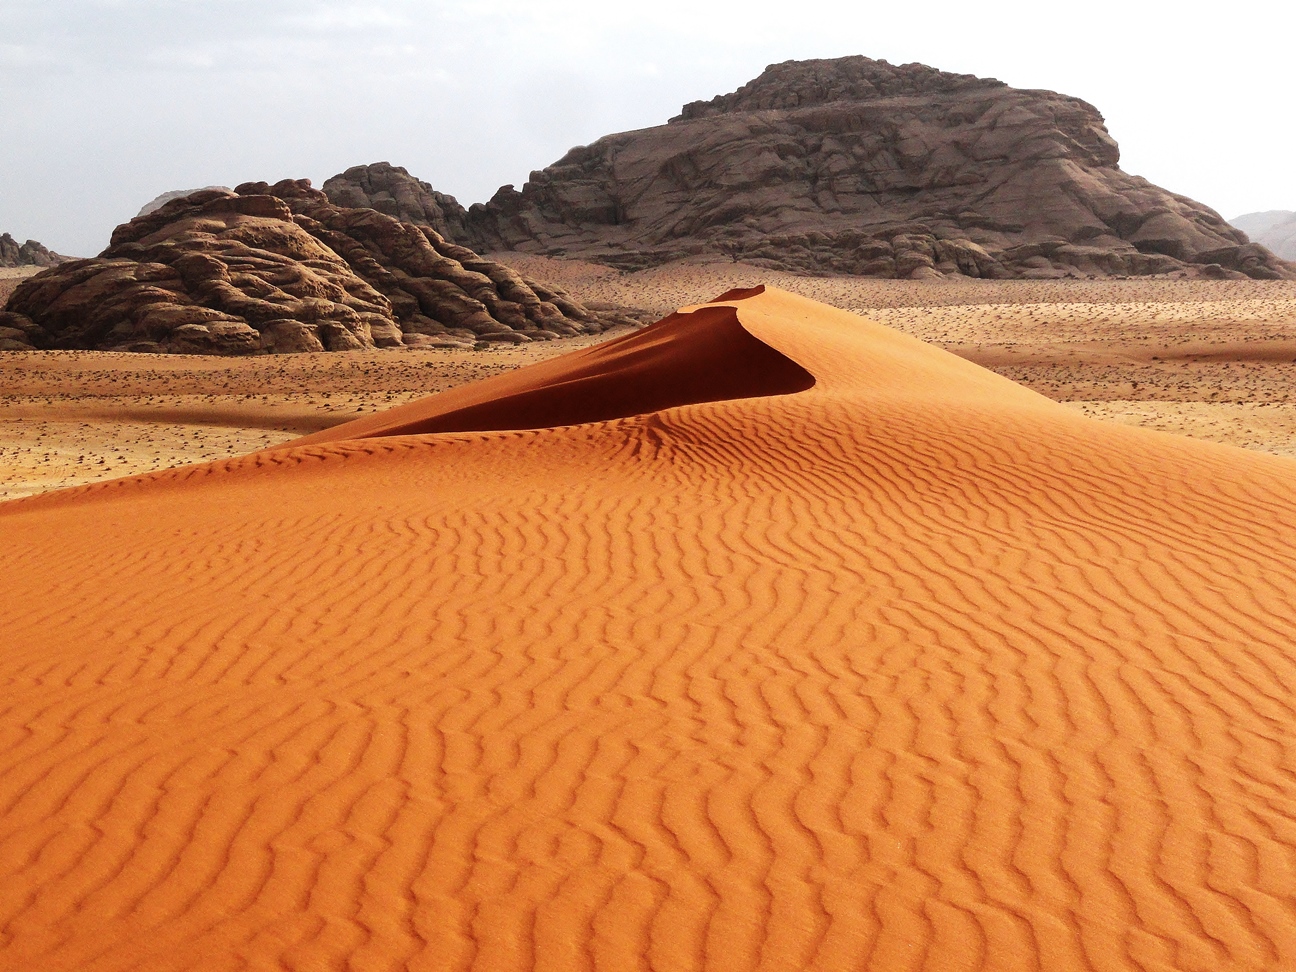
{"x":73,"y":417}
{"x":768,"y":638}
{"x":1210,"y":359}
{"x":11,"y":277}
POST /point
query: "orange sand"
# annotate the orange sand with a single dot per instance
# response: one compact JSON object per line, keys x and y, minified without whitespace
{"x":908,"y":669}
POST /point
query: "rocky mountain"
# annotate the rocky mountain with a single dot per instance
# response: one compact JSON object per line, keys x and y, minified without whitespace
{"x":280,"y":268}
{"x":154,"y":205}
{"x":859,"y":166}
{"x":392,"y":190}
{"x":29,"y":254}
{"x":1275,"y":229}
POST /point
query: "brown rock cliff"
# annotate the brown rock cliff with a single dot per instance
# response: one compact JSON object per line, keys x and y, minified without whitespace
{"x":858,"y":166}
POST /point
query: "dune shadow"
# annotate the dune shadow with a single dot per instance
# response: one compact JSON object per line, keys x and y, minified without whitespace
{"x":704,"y":355}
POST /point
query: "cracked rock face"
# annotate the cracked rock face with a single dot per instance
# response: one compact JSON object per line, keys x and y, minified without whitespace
{"x":281,"y":269}
{"x":858,"y":166}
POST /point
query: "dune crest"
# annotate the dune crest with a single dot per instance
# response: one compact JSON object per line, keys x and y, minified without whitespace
{"x":909,"y":669}
{"x":702,"y":355}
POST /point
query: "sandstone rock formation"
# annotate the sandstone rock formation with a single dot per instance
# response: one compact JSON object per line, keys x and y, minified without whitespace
{"x":392,"y":190}
{"x":279,"y":268}
{"x":1275,"y":229}
{"x":154,"y":205}
{"x":29,"y":254}
{"x":858,"y":166}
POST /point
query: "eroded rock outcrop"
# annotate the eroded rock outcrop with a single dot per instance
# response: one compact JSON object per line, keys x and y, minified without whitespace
{"x":29,"y":254}
{"x":858,"y":166}
{"x":392,"y":190}
{"x":280,"y":268}
{"x":153,"y":205}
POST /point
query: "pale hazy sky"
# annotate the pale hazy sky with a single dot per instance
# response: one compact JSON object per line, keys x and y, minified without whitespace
{"x":104,"y":104}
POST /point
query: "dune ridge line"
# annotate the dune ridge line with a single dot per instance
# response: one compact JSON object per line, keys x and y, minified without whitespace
{"x":703,"y":354}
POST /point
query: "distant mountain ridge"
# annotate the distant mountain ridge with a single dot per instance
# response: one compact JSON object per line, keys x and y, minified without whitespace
{"x":1275,"y":228}
{"x":29,"y":254}
{"x":850,"y":166}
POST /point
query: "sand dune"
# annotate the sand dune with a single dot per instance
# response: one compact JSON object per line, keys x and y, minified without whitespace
{"x":1210,"y":359}
{"x":705,"y":355}
{"x":901,"y":666}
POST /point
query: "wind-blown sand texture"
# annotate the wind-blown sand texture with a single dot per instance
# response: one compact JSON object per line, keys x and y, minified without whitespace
{"x":911,"y":668}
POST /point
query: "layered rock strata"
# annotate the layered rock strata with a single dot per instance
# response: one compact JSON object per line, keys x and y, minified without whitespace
{"x":280,"y":268}
{"x":861,"y":167}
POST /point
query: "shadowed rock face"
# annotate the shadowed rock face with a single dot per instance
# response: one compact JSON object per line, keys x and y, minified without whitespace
{"x":279,"y":268}
{"x":858,"y":166}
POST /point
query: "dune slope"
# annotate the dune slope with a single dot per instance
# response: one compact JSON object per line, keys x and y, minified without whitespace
{"x":702,"y":356}
{"x":910,"y":668}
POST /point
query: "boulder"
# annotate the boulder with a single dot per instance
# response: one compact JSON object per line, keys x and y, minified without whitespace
{"x":20,"y":332}
{"x":287,"y":336}
{"x":14,"y":339}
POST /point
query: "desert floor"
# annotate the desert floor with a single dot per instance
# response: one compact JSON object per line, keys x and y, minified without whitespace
{"x":11,"y":277}
{"x":767,"y":638}
{"x":1215,"y":360}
